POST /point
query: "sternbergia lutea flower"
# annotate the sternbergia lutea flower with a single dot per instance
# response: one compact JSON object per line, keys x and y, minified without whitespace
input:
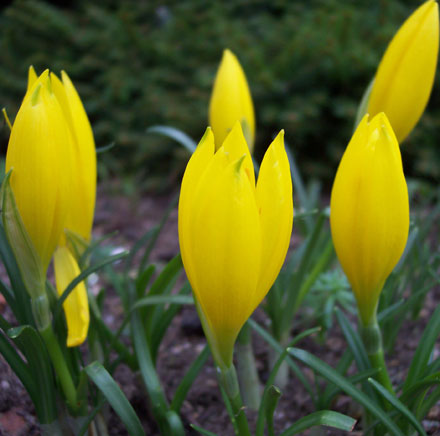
{"x":52,"y":154}
{"x":369,"y":211}
{"x":405,"y":76}
{"x":233,"y":233}
{"x":231,"y":101}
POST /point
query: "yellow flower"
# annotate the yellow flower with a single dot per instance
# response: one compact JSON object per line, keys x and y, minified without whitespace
{"x":40,"y":153}
{"x":233,"y":235}
{"x":369,"y":211}
{"x":405,"y":76}
{"x":52,"y":153}
{"x":231,"y":101}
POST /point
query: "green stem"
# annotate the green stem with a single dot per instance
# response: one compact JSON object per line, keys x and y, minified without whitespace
{"x":229,"y":382}
{"x":282,"y":376}
{"x":247,"y":370}
{"x":372,"y":339}
{"x":60,"y":366}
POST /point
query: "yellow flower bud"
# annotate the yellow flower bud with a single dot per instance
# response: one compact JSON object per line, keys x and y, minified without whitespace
{"x":231,"y":101}
{"x":233,"y":234}
{"x":40,"y":153}
{"x":369,"y":211}
{"x":405,"y":76}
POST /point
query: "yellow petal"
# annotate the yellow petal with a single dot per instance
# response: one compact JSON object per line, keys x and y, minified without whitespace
{"x":80,"y":217}
{"x":405,"y":76}
{"x":231,"y":101}
{"x":369,"y":210}
{"x":40,"y":153}
{"x":32,"y":77}
{"x":275,"y":205}
{"x":76,"y":306}
{"x":235,"y":146}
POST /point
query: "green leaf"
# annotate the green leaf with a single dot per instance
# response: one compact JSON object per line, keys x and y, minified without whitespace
{"x":20,"y":304}
{"x":202,"y":431}
{"x":354,"y":342}
{"x":275,"y":345}
{"x":272,"y":397}
{"x":333,"y":376}
{"x":322,"y":417}
{"x":155,"y":300}
{"x":177,"y":135}
{"x":188,"y":379}
{"x":114,"y":395}
{"x":262,"y":412}
{"x":398,"y":405}
{"x":20,"y":368}
{"x":33,"y":348}
{"x":28,"y":261}
{"x":421,"y":356}
{"x":105,"y":148}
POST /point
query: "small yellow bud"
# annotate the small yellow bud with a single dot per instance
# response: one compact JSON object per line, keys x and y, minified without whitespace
{"x":231,"y":101}
{"x":405,"y":76}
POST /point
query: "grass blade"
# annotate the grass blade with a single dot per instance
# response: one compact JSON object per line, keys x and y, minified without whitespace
{"x":333,"y":376}
{"x":398,"y":405}
{"x":322,"y":417}
{"x":114,"y":395}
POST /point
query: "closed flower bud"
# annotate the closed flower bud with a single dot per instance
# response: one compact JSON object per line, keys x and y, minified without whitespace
{"x":369,"y":211}
{"x":405,"y":76}
{"x":233,"y":234}
{"x":40,"y":154}
{"x":231,"y":101}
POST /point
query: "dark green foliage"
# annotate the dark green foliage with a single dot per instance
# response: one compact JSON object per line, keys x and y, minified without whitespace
{"x":141,"y":63}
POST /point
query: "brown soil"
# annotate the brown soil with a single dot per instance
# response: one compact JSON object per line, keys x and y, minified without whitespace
{"x":184,"y":340}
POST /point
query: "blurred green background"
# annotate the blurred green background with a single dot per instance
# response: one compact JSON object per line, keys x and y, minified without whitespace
{"x":141,"y":63}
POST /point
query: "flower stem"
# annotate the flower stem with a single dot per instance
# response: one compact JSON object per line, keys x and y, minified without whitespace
{"x":229,"y":382}
{"x":372,"y":339}
{"x":61,"y":368}
{"x":247,"y":370}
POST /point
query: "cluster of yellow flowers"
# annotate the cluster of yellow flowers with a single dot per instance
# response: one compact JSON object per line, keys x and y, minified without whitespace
{"x":234,"y":232}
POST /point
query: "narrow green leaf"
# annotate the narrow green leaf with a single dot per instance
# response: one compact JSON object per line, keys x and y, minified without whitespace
{"x":22,"y":309}
{"x":188,"y":379}
{"x":155,"y":300}
{"x":322,"y":417}
{"x":354,"y":342}
{"x":20,"y":368}
{"x":202,"y":431}
{"x":275,"y":345}
{"x":175,"y":134}
{"x":105,"y":148}
{"x":93,"y":246}
{"x":32,"y":346}
{"x":398,"y":405}
{"x":421,"y":356}
{"x":114,"y":395}
{"x":262,"y":412}
{"x":333,"y":390}
{"x":272,"y":398}
{"x":157,"y":231}
{"x":333,"y":376}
